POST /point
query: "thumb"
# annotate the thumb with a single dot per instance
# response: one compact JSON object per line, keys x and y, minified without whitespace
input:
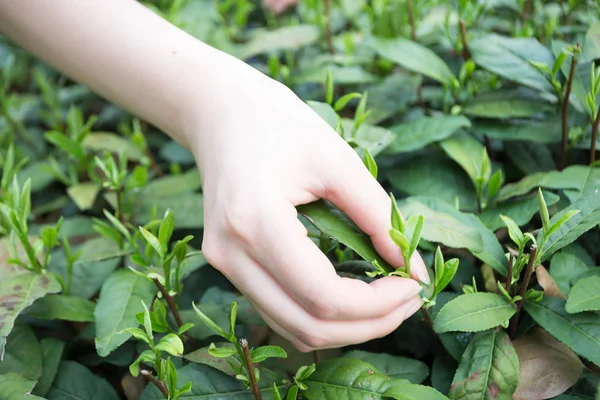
{"x":351,"y":188}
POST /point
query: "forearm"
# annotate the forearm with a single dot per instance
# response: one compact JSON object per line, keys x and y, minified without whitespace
{"x":128,"y":55}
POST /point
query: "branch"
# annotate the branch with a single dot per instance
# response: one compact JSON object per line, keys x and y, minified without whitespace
{"x":524,"y":284}
{"x":250,"y":368}
{"x":411,"y":21}
{"x":565,"y":115}
{"x":594,"y":137}
{"x":155,"y":382}
{"x":328,"y":27}
{"x":509,"y":274}
{"x":466,"y":53}
{"x":170,"y":302}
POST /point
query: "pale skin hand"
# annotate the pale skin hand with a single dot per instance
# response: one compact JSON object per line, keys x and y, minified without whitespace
{"x":260,"y":151}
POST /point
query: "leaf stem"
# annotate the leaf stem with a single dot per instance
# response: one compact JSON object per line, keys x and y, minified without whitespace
{"x":170,"y":302}
{"x":411,"y":21}
{"x":328,"y":27}
{"x":155,"y":382}
{"x":594,"y":137}
{"x":565,"y":114}
{"x":511,"y":263}
{"x":525,"y":11}
{"x":250,"y":368}
{"x":466,"y":53}
{"x":524,"y":284}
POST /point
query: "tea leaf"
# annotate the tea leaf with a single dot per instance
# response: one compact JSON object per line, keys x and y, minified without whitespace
{"x":209,"y":383}
{"x":15,"y":387}
{"x":441,"y":178}
{"x":264,"y":352}
{"x":341,"y":378}
{"x":584,"y":296}
{"x":587,"y":218}
{"x":393,"y":366}
{"x":520,"y":211}
{"x":19,"y":292}
{"x":84,"y":194}
{"x":119,"y":302}
{"x":52,"y":351}
{"x":564,"y":268}
{"x":107,"y":141}
{"x":498,"y":107}
{"x":326,"y":112}
{"x":284,"y":38}
{"x":581,"y":332}
{"x":61,"y":307}
{"x":547,"y":283}
{"x":573,"y":177}
{"x":473,"y":312}
{"x":446,"y":225}
{"x":467,"y":152}
{"x":412,"y":56}
{"x":509,"y":58}
{"x":23,"y":353}
{"x":408,"y":391}
{"x":489,"y":368}
{"x":75,"y":381}
{"x":416,"y":134}
{"x":338,"y":226}
{"x":547,"y":367}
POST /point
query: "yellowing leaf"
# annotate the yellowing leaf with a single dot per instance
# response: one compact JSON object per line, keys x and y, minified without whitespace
{"x":547,"y":367}
{"x":547,"y":283}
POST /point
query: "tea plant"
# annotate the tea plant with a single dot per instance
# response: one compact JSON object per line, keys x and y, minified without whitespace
{"x":479,"y":118}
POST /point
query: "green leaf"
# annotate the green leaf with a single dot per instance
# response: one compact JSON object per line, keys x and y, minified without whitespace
{"x":573,"y":177}
{"x":408,"y":391}
{"x":346,"y":378}
{"x":581,"y":332}
{"x":209,"y":383}
{"x":107,"y":141}
{"x":473,"y":312}
{"x":120,"y":300}
{"x":400,"y":239}
{"x":587,"y":218}
{"x":393,"y":366}
{"x":565,"y":268}
{"x":509,"y":58}
{"x":23,"y":354}
{"x":52,"y":352}
{"x":69,"y":146}
{"x":489,"y":368}
{"x":262,"y":353}
{"x":170,"y":343}
{"x":495,"y":183}
{"x":584,"y":296}
{"x":536,"y":131}
{"x":450,"y":268}
{"x":418,"y":133}
{"x":19,"y":292}
{"x":221,"y":352}
{"x":188,"y":205}
{"x":446,"y":225}
{"x":66,"y":308}
{"x":374,"y":138}
{"x":434,"y":177}
{"x":165,"y":229}
{"x":413,"y":57}
{"x":370,"y":163}
{"x":16,"y":387}
{"x":153,"y":241}
{"x":467,"y":152}
{"x":326,"y":112}
{"x":521,"y":211}
{"x":338,"y":226}
{"x":543,"y":212}
{"x":74,"y":381}
{"x":209,"y":323}
{"x":504,"y":104}
{"x":284,"y":38}
{"x":84,"y":194}
{"x":342,"y":101}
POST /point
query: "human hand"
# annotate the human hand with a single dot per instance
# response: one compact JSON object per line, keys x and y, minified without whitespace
{"x":278,"y":6}
{"x":266,"y":152}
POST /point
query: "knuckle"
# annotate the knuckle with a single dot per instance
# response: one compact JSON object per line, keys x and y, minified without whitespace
{"x":310,"y":340}
{"x":239,"y":220}
{"x":323,"y":309}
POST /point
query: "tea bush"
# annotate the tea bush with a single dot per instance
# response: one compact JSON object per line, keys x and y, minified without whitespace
{"x":480,"y":118}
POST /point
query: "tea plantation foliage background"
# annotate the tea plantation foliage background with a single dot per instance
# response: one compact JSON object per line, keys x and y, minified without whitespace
{"x":479,"y":117}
